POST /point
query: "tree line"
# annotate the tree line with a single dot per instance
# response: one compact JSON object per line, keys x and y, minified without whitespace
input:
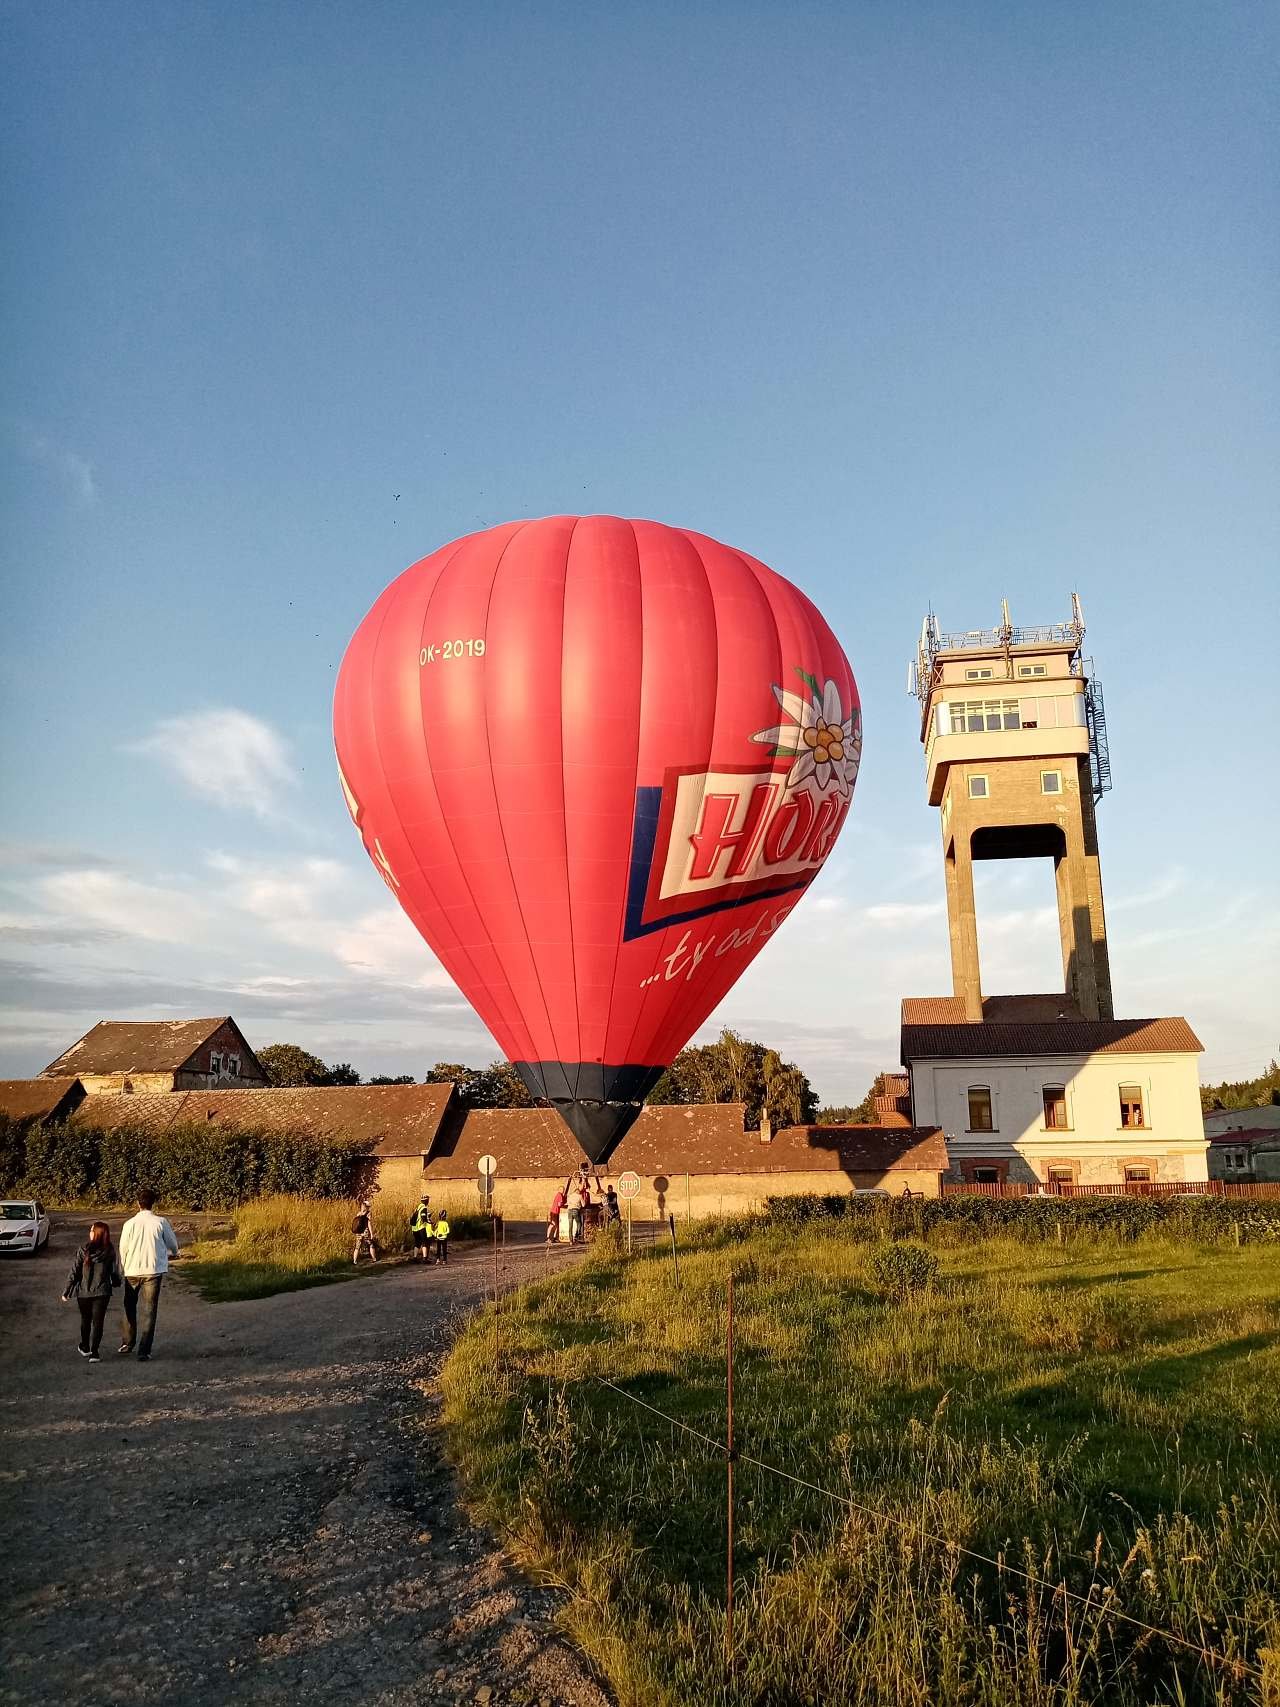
{"x":732,"y":1069}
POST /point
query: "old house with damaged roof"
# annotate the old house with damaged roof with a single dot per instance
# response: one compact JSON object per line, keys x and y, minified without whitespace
{"x":160,"y":1055}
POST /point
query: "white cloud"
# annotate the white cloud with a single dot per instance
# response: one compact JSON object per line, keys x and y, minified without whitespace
{"x":226,"y":755}
{"x":384,"y":944}
{"x":107,"y":900}
{"x":899,"y":913}
{"x":73,"y":470}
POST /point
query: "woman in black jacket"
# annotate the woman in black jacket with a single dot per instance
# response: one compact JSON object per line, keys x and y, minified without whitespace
{"x":93,"y":1275}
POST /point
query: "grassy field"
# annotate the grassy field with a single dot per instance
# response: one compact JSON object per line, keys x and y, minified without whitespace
{"x":1104,"y":1417}
{"x":282,"y":1244}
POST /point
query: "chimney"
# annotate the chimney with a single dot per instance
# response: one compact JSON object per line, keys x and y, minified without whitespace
{"x":766,"y":1127}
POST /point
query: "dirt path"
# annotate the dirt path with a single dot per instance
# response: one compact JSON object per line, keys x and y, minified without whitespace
{"x":261,"y":1513}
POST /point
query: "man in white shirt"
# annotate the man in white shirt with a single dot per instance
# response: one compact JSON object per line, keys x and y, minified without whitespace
{"x":146,"y":1244}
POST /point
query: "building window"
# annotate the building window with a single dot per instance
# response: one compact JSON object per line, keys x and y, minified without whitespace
{"x":1137,"y":1174}
{"x":1033,"y":670}
{"x":1055,"y":1107}
{"x":1237,"y":1161}
{"x":1131,"y":1111}
{"x":233,"y":1066}
{"x":981,"y":716}
{"x":980,"y":1109}
{"x":986,"y":1176}
{"x":1051,"y":782}
{"x":1062,"y":1175}
{"x":215,"y":1065}
{"x":977,"y":675}
{"x":977,"y":788}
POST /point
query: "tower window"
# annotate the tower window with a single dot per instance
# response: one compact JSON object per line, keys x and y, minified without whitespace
{"x":1131,"y":1110}
{"x":1032,"y":670}
{"x":977,"y":788}
{"x":980,"y":1109}
{"x":978,"y":716}
{"x":1055,"y":1107}
{"x":977,"y":675}
{"x":1051,"y":782}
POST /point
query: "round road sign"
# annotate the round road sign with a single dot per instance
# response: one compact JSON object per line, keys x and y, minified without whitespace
{"x":488,"y":1165}
{"x":629,"y":1184}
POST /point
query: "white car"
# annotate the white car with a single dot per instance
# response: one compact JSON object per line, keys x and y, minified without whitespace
{"x":24,"y":1226}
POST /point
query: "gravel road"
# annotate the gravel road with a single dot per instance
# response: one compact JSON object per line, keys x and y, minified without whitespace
{"x":260,"y":1514}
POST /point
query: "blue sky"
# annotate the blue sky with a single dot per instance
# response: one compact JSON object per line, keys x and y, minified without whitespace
{"x":936,"y":303}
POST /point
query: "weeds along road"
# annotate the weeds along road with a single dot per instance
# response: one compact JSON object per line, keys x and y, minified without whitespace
{"x":261,"y":1513}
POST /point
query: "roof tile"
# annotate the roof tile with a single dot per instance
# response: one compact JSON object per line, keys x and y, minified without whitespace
{"x":934,"y":1028}
{"x":392,"y":1119}
{"x":34,"y":1099}
{"x":135,"y":1046}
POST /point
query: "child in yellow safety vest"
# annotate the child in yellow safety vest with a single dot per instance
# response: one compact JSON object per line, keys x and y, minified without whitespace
{"x":442,"y":1237}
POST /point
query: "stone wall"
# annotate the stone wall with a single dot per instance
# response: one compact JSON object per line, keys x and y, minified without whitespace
{"x":687,"y":1197}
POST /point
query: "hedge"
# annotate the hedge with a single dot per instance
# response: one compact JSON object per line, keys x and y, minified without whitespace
{"x":1256,"y":1220}
{"x":188,"y":1166}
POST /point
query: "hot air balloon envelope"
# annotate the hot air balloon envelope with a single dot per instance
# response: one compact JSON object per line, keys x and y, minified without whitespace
{"x":597,"y":762}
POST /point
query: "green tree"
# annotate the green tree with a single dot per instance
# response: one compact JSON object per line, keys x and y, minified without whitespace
{"x":496,"y":1086}
{"x":1244,"y":1093}
{"x":386,"y":1079}
{"x":860,"y":1114}
{"x":290,"y":1064}
{"x":342,"y":1073}
{"x":736,"y":1069}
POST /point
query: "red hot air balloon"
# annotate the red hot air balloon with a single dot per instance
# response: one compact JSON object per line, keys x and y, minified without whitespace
{"x":597,"y":762}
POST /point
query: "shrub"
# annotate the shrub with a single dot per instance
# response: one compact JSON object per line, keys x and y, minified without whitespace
{"x":902,"y":1267}
{"x":1203,"y":1219}
{"x":187,"y":1166}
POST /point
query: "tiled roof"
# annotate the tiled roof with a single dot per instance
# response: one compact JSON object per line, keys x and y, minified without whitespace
{"x":934,"y":1028}
{"x":705,"y":1138}
{"x":528,"y":1143}
{"x":996,"y":1010}
{"x":135,"y":1046}
{"x":392,"y":1120}
{"x":1246,"y":1135}
{"x":34,"y":1099}
{"x":862,"y":1149}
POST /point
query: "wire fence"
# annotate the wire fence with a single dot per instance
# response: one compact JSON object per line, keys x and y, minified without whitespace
{"x":1261,"y":1190}
{"x":731,"y":1454}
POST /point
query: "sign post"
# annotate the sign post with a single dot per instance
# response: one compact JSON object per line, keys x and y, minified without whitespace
{"x":628,"y":1188}
{"x":487,"y":1167}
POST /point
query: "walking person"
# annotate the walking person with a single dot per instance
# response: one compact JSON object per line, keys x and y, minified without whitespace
{"x":94,"y":1275}
{"x":146,"y":1244}
{"x":362,"y":1227}
{"x":442,"y":1236}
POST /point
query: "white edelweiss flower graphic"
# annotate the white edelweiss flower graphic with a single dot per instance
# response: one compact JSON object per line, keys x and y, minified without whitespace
{"x":824,"y":743}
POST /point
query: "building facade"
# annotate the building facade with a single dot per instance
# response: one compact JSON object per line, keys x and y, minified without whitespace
{"x":1047,"y":1088}
{"x":1087,"y":1103}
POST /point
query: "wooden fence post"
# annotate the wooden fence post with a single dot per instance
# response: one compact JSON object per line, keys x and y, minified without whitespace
{"x":729,"y":1457}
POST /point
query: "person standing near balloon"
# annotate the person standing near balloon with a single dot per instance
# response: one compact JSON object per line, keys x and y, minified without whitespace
{"x":553,"y":1218}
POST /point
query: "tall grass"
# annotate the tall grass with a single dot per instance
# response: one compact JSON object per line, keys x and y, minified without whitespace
{"x":284,"y":1243}
{"x":1102,"y":1419}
